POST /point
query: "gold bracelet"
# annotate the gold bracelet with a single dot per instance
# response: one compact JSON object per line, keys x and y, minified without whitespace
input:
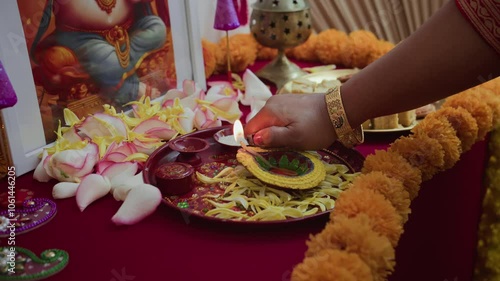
{"x":346,"y":135}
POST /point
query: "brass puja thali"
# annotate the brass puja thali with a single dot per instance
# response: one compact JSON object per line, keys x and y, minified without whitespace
{"x":274,"y":188}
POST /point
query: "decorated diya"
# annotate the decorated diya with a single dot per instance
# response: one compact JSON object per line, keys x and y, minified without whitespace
{"x":283,"y":168}
{"x":232,"y":184}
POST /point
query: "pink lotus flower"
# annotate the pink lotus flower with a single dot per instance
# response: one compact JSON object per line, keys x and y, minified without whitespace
{"x":68,"y":165}
{"x":103,"y":125}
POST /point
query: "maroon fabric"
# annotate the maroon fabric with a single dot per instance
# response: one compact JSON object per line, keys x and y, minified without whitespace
{"x":438,"y":243}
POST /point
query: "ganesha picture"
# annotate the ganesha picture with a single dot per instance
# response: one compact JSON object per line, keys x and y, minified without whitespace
{"x":85,"y":53}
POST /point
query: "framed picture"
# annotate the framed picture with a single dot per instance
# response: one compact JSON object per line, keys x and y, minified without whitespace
{"x":81,"y":54}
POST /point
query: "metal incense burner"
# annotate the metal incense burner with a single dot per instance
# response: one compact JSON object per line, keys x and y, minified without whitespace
{"x":280,"y":24}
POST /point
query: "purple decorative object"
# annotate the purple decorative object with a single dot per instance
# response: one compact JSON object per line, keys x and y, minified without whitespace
{"x":35,"y":213}
{"x":226,"y":17}
{"x":8,"y":97}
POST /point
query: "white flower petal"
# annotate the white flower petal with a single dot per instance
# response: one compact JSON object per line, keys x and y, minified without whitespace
{"x":91,"y":188}
{"x":141,"y":201}
{"x":40,"y":173}
{"x":121,"y":190}
{"x":64,"y":190}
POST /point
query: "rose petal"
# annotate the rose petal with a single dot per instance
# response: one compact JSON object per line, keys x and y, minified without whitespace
{"x":120,"y":172}
{"x":255,"y":107}
{"x":72,"y":135}
{"x":64,"y":190}
{"x":155,"y":128}
{"x":40,"y":173}
{"x":91,"y":188}
{"x":72,"y":164}
{"x":141,"y":201}
{"x":102,"y":165}
{"x":120,"y":191}
{"x":254,"y":88}
{"x":103,"y":125}
{"x":187,"y":120}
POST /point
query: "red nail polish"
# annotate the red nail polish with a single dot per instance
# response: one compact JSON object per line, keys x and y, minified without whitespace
{"x":257,"y":139}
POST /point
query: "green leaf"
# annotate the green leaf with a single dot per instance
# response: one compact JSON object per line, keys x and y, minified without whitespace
{"x":273,"y":161}
{"x":294,"y":165}
{"x":302,"y":169}
{"x":284,"y":162}
{"x":262,"y":164}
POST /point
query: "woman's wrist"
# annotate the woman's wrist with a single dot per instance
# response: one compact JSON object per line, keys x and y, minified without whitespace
{"x":347,"y":135}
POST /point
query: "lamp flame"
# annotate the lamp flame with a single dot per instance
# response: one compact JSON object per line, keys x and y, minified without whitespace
{"x":238,"y":133}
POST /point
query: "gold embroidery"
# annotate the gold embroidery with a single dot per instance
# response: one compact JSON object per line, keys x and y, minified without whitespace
{"x":118,"y":36}
{"x":106,"y":5}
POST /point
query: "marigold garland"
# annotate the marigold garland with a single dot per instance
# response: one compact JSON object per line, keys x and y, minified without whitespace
{"x":363,"y":238}
{"x":432,"y":147}
{"x":356,"y":49}
{"x":488,"y":251}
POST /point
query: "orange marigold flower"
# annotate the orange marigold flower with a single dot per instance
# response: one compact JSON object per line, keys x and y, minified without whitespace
{"x":382,"y":48}
{"x":360,"y":45}
{"x":332,"y":265}
{"x":479,"y":110}
{"x":395,"y":166}
{"x":266,"y":53}
{"x":331,"y":45}
{"x":462,"y":121}
{"x":392,"y":189}
{"x":360,"y":200}
{"x":491,"y":99}
{"x":211,"y":53}
{"x":356,"y":235}
{"x":493,"y":85}
{"x":243,"y":52}
{"x":422,"y":152}
{"x":305,"y":51}
{"x":442,"y":131}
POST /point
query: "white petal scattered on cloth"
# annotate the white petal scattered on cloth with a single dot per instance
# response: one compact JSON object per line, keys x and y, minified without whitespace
{"x":141,"y":201}
{"x":91,"y":188}
{"x":64,"y":190}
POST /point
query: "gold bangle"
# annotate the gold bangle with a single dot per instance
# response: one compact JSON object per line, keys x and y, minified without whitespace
{"x":346,"y":135}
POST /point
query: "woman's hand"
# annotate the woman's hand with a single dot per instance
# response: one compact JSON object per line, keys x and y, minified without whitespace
{"x":294,"y":120}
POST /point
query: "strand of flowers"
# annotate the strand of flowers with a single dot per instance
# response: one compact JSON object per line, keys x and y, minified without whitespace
{"x":359,"y":241}
{"x":356,"y":49}
{"x":488,"y":250}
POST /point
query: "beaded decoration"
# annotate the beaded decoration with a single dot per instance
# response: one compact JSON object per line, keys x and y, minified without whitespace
{"x":35,"y":213}
{"x":17,"y":263}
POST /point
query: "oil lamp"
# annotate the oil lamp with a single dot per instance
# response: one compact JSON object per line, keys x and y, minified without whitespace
{"x":280,"y":24}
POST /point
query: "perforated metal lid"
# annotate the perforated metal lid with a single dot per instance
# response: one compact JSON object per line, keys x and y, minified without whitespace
{"x":281,"y":5}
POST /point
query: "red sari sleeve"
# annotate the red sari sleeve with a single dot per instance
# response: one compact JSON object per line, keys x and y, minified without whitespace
{"x":484,"y":15}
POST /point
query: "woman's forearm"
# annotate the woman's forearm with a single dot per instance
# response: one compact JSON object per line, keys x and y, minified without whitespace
{"x":445,"y":56}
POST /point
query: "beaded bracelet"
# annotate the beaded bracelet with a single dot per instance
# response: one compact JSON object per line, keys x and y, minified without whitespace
{"x":346,"y":135}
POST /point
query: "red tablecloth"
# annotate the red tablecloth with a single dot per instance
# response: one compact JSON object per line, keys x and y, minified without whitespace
{"x":438,"y":243}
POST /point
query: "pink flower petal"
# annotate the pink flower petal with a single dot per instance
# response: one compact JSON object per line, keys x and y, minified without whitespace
{"x":103,"y":125}
{"x":72,"y":164}
{"x":40,"y":173}
{"x":120,"y":191}
{"x":187,"y":120}
{"x":72,"y":135}
{"x":115,"y":157}
{"x":254,"y":88}
{"x":102,"y":165}
{"x":219,"y":83}
{"x":141,"y":201}
{"x":120,"y":172}
{"x":91,"y":188}
{"x":155,"y":128}
{"x":255,"y":107}
{"x":64,"y":190}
